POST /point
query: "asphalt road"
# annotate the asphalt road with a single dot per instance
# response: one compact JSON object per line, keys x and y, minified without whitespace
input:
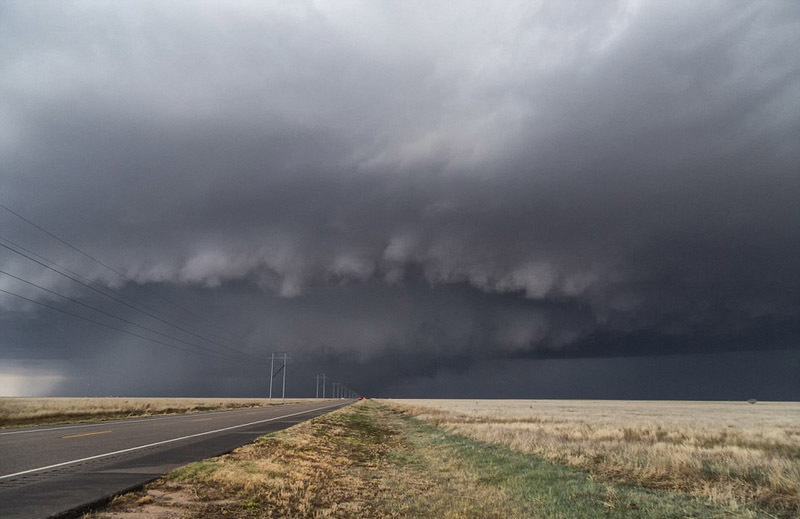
{"x":53,"y":471}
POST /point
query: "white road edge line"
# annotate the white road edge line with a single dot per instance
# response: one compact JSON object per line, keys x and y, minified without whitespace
{"x":98,"y":456}
{"x":98,"y":424}
{"x":126,"y":421}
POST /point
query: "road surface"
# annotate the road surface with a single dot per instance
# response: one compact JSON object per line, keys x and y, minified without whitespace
{"x":61,"y":470}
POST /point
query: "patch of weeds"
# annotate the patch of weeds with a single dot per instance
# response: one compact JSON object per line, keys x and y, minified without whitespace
{"x":195,"y":472}
{"x":251,"y":504}
{"x":365,"y":427}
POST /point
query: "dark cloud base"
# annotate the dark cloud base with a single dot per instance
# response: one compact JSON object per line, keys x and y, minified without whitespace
{"x":404,"y":205}
{"x":423,"y":353}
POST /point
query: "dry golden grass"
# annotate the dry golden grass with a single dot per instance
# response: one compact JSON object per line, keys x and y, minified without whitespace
{"x":371,"y":460}
{"x":31,"y":411}
{"x":729,"y":452}
{"x":341,"y":465}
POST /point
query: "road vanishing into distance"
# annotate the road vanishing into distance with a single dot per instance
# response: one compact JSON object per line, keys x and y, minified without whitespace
{"x":61,"y":470}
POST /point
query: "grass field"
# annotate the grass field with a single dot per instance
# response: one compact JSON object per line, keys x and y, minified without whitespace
{"x":35,"y":411}
{"x":729,"y":452}
{"x":375,"y":459}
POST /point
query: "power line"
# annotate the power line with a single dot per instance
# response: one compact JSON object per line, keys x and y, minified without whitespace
{"x":212,"y":355}
{"x":109,"y":314}
{"x":321,"y":378}
{"x":281,"y":356}
{"x":93,"y":283}
{"x":120,"y":301}
{"x":115,"y":271}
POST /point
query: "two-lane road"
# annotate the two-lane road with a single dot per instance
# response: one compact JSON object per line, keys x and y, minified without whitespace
{"x":50,"y":470}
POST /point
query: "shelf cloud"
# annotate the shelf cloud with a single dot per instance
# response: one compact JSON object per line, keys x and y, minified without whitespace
{"x":408,"y":188}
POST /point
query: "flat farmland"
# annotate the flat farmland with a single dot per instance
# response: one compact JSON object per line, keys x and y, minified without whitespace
{"x":730,"y":452}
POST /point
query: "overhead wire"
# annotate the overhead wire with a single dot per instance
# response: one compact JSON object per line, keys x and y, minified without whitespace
{"x":109,"y":314}
{"x":125,"y":303}
{"x":95,"y":284}
{"x":78,"y":316}
{"x":205,"y":320}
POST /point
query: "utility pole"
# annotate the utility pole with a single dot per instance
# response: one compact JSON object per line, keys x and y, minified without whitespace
{"x":271,"y":371}
{"x":285,"y":358}
{"x":339,"y":390}
{"x":321,"y":377}
{"x":283,"y":396}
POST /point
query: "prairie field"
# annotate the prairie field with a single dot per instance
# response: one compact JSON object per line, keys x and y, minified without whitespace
{"x":730,"y":452}
{"x":33,"y":411}
{"x":375,"y":460}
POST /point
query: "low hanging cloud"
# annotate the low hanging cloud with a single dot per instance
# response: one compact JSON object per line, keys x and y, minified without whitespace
{"x":541,"y":178}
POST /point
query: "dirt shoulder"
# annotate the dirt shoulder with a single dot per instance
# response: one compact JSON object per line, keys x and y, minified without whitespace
{"x":370,"y":460}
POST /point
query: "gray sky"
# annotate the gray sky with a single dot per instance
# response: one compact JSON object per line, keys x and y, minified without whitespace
{"x":408,"y":196}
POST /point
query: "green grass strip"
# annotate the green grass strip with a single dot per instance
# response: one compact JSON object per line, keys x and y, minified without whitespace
{"x":541,"y":488}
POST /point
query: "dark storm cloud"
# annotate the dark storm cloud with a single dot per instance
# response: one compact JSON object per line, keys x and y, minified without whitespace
{"x":415,"y":186}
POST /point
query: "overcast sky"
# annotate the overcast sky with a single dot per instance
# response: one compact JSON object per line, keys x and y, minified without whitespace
{"x":533,"y":199}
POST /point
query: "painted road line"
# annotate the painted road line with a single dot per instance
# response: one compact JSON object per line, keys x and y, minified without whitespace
{"x":131,"y":449}
{"x":103,"y":423}
{"x":106,"y":423}
{"x":202,"y":419}
{"x":86,"y":434}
